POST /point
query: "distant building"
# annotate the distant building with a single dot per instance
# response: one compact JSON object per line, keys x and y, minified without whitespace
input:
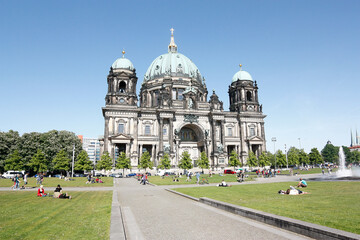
{"x":355,"y":143}
{"x":92,"y":147}
{"x":174,"y":114}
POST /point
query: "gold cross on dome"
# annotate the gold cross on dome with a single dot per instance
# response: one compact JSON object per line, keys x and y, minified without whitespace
{"x":172,"y":31}
{"x":240,"y":65}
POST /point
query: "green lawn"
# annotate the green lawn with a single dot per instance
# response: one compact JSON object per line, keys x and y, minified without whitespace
{"x":23,"y":215}
{"x":216,"y":178}
{"x":310,"y":171}
{"x":53,"y":182}
{"x":331,"y":204}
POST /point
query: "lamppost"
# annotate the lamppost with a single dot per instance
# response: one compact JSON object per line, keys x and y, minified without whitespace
{"x":274,"y":141}
{"x":287,"y":165}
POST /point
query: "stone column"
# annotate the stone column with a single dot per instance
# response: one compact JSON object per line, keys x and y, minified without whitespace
{"x":223,"y":133}
{"x":161,"y":135}
{"x":171,"y":135}
{"x":135,"y":134}
{"x":242,"y":143}
{"x":153,"y":154}
{"x":106,"y":134}
{"x":112,"y":154}
{"x":263,"y":147}
{"x":213,"y":131}
{"x":127,"y":149}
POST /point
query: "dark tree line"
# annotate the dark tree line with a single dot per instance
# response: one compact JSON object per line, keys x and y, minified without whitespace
{"x":36,"y":151}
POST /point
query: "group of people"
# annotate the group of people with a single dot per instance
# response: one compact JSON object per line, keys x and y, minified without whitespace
{"x":293,"y":191}
{"x":57,"y":193}
{"x":143,"y":178}
{"x":91,"y":180}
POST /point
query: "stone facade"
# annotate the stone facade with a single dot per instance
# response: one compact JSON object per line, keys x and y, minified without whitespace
{"x":174,"y":114}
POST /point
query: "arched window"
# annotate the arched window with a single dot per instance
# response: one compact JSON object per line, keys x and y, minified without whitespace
{"x":147,"y":130}
{"x":187,"y":134}
{"x":121,"y":128}
{"x":248,"y":96}
{"x":122,"y":87}
{"x":252,"y":130}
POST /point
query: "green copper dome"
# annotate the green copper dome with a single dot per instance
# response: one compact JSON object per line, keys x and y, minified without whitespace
{"x":123,"y":63}
{"x":242,"y":75}
{"x":172,"y":64}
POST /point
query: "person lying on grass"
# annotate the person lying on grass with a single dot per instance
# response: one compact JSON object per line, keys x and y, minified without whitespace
{"x":59,"y":194}
{"x":223,"y":184}
{"x":302,"y":183}
{"x":41,"y":191}
{"x":292,"y":191}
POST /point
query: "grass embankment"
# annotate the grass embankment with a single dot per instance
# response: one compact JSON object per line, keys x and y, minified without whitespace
{"x":26,"y":216}
{"x":53,"y":182}
{"x":331,"y":204}
{"x":216,"y":178}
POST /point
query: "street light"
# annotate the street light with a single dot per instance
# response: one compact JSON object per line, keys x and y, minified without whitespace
{"x":287,"y":165}
{"x":274,"y":141}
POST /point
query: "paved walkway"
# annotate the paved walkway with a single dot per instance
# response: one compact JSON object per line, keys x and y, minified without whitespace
{"x":150,"y":212}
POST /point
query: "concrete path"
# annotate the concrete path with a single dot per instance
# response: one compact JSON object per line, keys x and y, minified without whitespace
{"x":150,"y":212}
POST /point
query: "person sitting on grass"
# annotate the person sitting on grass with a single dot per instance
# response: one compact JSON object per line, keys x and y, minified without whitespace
{"x":88,"y":179}
{"x":292,"y":191}
{"x":59,"y":194}
{"x":302,"y":183}
{"x":223,"y":184}
{"x":175,"y":179}
{"x":41,"y":192}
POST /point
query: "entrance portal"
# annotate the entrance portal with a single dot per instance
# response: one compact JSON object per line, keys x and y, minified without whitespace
{"x":192,"y":141}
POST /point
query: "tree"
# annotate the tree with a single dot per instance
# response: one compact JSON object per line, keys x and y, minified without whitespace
{"x":353,"y":157}
{"x":61,"y":162}
{"x":145,"y":161}
{"x":293,"y":156}
{"x":271,"y":158}
{"x":8,"y":144}
{"x":185,"y":161}
{"x":330,"y":153}
{"x":303,"y":157}
{"x":123,"y":162}
{"x":252,"y":160}
{"x":203,"y":161}
{"x":38,"y":162}
{"x":105,"y":162}
{"x":14,"y":162}
{"x":264,"y":159}
{"x":280,"y":159}
{"x":83,"y":162}
{"x":165,"y":162}
{"x":315,"y":157}
{"x":234,"y":159}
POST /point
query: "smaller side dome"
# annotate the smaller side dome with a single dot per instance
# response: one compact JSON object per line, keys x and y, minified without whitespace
{"x":241,"y":75}
{"x":123,"y":63}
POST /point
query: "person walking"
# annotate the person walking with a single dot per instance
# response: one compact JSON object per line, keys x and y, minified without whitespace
{"x":25,"y":178}
{"x":17,"y":182}
{"x":197,"y":177}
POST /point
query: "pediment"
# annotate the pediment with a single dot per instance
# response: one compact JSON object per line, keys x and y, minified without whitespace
{"x":255,"y":139}
{"x":121,"y":136}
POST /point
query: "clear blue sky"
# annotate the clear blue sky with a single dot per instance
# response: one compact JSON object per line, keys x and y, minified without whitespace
{"x":305,"y":56}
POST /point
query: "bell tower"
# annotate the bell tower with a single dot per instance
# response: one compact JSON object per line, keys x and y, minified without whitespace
{"x":122,"y":83}
{"x":243,"y":93}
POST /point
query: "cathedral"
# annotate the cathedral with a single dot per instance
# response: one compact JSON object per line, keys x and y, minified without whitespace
{"x":173,"y":113}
